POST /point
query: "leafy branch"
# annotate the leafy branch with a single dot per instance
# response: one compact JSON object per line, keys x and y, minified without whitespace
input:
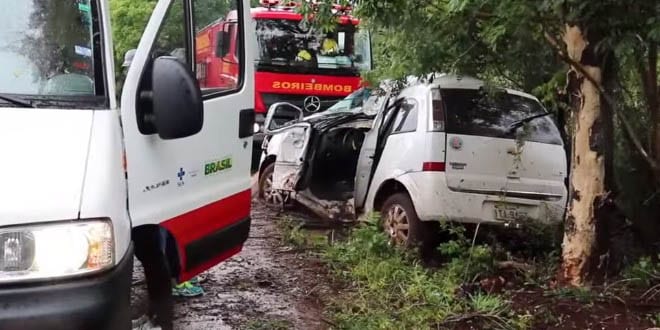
{"x":608,"y":99}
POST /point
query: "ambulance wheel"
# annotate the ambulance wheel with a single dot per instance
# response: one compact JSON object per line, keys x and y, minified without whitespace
{"x":267,"y":194}
{"x":404,"y":228}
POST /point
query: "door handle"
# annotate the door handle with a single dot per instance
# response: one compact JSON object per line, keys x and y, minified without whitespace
{"x":246,"y":123}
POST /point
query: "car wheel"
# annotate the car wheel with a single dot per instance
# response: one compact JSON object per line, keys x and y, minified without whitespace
{"x":403,"y":227}
{"x":271,"y":197}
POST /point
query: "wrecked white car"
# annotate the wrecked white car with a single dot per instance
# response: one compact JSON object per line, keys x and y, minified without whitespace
{"x":451,"y":150}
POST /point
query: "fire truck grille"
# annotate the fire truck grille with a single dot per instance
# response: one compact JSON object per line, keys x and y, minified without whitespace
{"x":298,"y":100}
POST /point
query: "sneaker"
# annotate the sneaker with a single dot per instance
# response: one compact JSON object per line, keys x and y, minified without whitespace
{"x":197,"y":280}
{"x":187,"y":289}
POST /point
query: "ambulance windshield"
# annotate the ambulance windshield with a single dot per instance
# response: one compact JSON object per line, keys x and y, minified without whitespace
{"x":293,"y":46}
{"x":50,"y":48}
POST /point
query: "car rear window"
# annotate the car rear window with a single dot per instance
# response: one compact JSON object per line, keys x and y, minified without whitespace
{"x":483,"y":113}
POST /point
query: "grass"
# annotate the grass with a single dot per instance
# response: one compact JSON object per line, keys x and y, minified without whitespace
{"x":292,"y":232}
{"x":269,"y":324}
{"x":389,"y":289}
{"x":642,"y":273}
{"x":655,"y":319}
{"x":295,"y":235}
{"x":583,"y":294}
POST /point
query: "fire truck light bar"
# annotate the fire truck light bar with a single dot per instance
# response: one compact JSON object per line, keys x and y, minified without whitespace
{"x":270,"y":3}
{"x":344,"y":9}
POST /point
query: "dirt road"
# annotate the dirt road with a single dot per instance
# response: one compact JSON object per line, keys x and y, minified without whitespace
{"x":267,"y":286}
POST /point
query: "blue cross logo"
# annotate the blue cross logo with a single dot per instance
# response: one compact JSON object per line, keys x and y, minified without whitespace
{"x":181,"y":174}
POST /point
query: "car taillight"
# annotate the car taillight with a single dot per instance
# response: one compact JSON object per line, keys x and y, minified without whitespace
{"x":438,"y":115}
{"x":433,"y":167}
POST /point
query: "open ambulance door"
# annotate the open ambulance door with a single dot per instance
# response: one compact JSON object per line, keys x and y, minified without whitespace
{"x":187,"y":149}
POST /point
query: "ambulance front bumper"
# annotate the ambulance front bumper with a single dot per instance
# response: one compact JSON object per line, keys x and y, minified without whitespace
{"x":101,"y":301}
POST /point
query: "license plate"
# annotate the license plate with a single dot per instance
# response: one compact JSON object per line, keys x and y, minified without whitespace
{"x":508,"y":212}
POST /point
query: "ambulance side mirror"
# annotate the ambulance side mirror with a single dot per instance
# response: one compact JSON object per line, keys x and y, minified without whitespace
{"x":177,"y":104}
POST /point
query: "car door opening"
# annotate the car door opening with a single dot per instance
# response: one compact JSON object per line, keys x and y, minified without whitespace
{"x":333,"y":165}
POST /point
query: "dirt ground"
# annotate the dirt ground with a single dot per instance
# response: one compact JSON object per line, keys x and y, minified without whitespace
{"x":266,"y":286}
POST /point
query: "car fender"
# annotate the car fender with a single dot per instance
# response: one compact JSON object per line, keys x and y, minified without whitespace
{"x":404,"y":179}
{"x":274,"y":145}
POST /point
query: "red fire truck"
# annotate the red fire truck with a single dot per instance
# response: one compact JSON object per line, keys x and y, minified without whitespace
{"x":292,"y":62}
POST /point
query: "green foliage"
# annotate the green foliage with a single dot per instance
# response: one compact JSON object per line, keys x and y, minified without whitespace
{"x":209,"y":11}
{"x":655,"y":319}
{"x":583,"y":294}
{"x":129,"y":18}
{"x":488,"y":304}
{"x":292,"y":232}
{"x":268,"y":324}
{"x":642,"y":273}
{"x":389,"y":289}
{"x":468,"y":37}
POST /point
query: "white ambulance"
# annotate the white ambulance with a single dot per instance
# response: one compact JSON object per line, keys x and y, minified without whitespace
{"x":89,"y":176}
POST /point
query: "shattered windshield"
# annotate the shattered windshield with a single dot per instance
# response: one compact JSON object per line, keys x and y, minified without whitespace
{"x":351,"y":102}
{"x":47,"y":48}
{"x":295,"y":45}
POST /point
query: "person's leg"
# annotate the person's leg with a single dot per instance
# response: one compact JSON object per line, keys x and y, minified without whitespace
{"x":148,"y":249}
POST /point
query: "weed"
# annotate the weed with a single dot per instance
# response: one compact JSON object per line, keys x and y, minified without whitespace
{"x":292,"y":232}
{"x":488,"y":304}
{"x":580,"y":294}
{"x":389,"y":289}
{"x":654,"y":318}
{"x":521,"y":321}
{"x":642,"y":273}
{"x":268,"y":324}
{"x":543,"y":270}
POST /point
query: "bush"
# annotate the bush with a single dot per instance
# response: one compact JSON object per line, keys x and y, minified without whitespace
{"x":389,"y":289}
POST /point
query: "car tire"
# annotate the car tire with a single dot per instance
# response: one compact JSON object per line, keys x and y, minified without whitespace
{"x":404,"y":228}
{"x":270,"y":198}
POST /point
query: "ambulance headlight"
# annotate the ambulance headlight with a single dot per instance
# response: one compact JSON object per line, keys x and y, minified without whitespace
{"x":257,"y":128}
{"x":55,"y":250}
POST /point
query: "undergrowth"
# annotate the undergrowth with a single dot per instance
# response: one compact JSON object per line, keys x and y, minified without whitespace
{"x":268,"y":324}
{"x":389,"y":288}
{"x":642,"y":273}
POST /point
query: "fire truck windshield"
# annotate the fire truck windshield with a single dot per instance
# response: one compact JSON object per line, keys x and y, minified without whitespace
{"x":51,"y":48}
{"x":291,"y":46}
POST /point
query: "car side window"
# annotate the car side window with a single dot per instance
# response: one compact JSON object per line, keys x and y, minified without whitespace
{"x":219,"y":53}
{"x":406,"y":117}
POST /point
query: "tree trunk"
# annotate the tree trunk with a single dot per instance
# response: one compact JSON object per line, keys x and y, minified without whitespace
{"x":587,"y":178}
{"x":652,"y":95}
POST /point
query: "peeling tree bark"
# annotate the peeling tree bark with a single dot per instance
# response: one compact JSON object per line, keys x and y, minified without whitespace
{"x":587,"y":181}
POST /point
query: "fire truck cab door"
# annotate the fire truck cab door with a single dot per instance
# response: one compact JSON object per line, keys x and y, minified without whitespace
{"x":197,"y":187}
